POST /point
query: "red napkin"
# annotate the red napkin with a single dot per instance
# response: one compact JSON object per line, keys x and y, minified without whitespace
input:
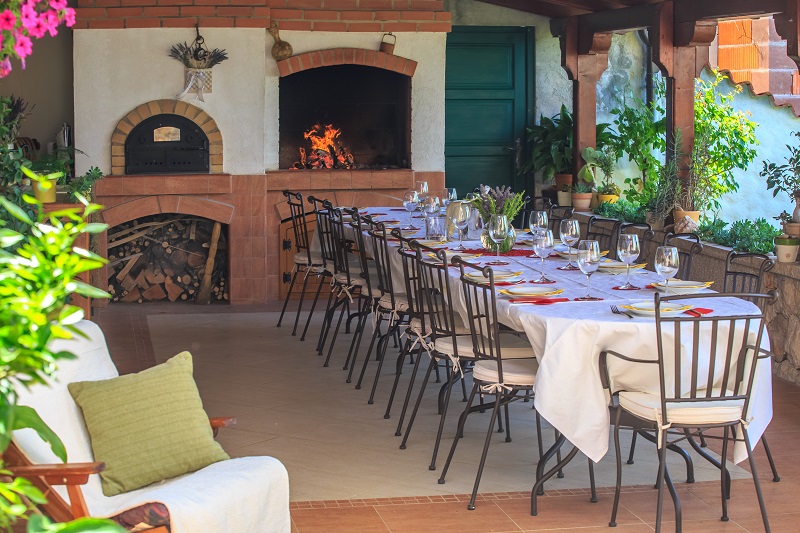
{"x":537,"y":300}
{"x":698,"y":311}
{"x":506,"y":283}
{"x":397,"y":209}
{"x":377,"y":214}
{"x":649,"y":287}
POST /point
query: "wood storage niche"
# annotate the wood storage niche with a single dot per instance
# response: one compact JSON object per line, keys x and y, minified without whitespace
{"x":168,"y":257}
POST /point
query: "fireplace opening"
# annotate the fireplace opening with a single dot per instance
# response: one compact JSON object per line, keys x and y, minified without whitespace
{"x":166,"y":144}
{"x":164,"y":258}
{"x":370,"y":107}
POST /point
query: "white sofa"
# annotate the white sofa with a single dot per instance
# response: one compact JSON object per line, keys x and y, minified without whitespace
{"x":248,"y":494}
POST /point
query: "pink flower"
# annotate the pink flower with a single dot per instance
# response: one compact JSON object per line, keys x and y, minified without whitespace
{"x":50,"y":21}
{"x":29,"y":15}
{"x":69,"y":17}
{"x":7,"y":20}
{"x":5,"y":67}
{"x":39,"y":29}
{"x":58,"y":5}
{"x":23,"y":47}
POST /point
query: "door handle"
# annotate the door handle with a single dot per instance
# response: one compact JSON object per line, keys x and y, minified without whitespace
{"x":517,"y":149}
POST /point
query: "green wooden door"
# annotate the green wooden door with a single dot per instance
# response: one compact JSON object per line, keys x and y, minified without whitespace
{"x":488,"y":103}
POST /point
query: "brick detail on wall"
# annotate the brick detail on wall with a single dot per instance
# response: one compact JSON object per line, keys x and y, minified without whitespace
{"x":303,"y":15}
{"x":346,"y":56}
{"x":157,"y":107}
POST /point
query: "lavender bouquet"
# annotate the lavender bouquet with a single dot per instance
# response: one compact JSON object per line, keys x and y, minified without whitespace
{"x":498,"y":201}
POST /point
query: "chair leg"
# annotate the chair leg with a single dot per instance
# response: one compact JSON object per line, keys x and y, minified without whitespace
{"x":495,"y":411}
{"x":755,"y":480}
{"x":313,"y":306}
{"x":335,"y":333}
{"x":288,"y":295}
{"x":723,"y":459}
{"x":452,"y":377}
{"x":417,"y":362}
{"x":326,"y":320}
{"x":398,"y":372}
{"x":618,"y":486}
{"x":633,"y":447}
{"x":413,"y":417}
{"x":508,"y":424}
{"x":375,"y":334}
{"x":662,"y":464}
{"x":592,"y":484}
{"x":363,"y":315}
{"x":459,"y":432}
{"x":775,"y":477}
{"x":381,"y":359}
{"x":300,"y":303}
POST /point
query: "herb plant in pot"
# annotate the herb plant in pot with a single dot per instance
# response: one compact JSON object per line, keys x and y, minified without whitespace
{"x":786,"y":247}
{"x":581,"y":196}
{"x":604,"y":160}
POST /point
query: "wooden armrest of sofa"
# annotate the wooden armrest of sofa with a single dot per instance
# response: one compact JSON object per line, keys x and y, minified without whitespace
{"x":60,"y":474}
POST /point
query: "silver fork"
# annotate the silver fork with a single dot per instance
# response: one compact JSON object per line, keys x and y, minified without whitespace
{"x":617,"y":311}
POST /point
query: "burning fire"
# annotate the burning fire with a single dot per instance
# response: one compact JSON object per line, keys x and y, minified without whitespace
{"x":326,"y":149}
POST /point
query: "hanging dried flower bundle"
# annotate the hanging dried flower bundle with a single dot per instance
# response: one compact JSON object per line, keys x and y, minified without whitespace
{"x":197,"y":56}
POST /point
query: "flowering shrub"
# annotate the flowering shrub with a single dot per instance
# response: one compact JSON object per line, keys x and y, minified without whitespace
{"x":20,"y":20}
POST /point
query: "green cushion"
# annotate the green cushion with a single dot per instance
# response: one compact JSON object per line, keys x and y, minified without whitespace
{"x":147,"y":427}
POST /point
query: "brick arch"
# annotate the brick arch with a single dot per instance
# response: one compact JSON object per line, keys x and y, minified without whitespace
{"x":155,"y":205}
{"x":158,"y":107}
{"x":346,"y":56}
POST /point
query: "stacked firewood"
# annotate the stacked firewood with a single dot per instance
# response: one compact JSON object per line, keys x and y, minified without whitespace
{"x":168,"y":257}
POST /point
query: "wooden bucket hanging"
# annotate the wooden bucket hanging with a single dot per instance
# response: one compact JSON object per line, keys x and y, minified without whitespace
{"x":387,"y":43}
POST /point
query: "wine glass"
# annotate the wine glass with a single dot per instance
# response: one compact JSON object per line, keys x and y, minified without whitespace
{"x":460,"y":218}
{"x":410,"y":202}
{"x":588,"y":262}
{"x":498,"y":232}
{"x":449,"y":195}
{"x":628,"y":251}
{"x":430,"y":206}
{"x":543,"y":246}
{"x":667,"y":261}
{"x":422,"y":190}
{"x":538,"y":222}
{"x":570,"y":233}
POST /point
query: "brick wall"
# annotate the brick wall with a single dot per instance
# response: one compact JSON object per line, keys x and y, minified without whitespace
{"x":304,"y":15}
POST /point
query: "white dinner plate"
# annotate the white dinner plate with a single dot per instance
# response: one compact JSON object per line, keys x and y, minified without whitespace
{"x":609,"y":265}
{"x":647,"y":308}
{"x":531,"y":291}
{"x":465,"y":257}
{"x":498,"y":274}
{"x":562,"y":250}
{"x":430,"y":243}
{"x":677,"y":286}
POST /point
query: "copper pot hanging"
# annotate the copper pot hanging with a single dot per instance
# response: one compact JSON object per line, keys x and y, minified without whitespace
{"x":387,"y":43}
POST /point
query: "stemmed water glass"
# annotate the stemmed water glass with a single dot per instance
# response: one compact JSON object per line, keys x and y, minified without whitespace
{"x":667,"y":262}
{"x":430,"y":206}
{"x":543,"y":246}
{"x":628,"y":251}
{"x":449,"y":195}
{"x":498,"y":232}
{"x":422,"y":190}
{"x":538,"y":222}
{"x":410,"y":202}
{"x":460,"y":218}
{"x":570,"y":233}
{"x":588,"y":262}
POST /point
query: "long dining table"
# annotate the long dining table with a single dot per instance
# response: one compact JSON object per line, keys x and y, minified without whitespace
{"x":567,"y":338}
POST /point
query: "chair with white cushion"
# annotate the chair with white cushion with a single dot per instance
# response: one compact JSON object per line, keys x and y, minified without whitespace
{"x":706,"y":368}
{"x":242,"y":494}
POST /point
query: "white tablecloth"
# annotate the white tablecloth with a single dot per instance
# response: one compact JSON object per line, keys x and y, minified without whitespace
{"x":568,"y":337}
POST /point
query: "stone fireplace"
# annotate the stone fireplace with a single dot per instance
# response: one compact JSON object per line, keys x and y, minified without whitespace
{"x":251,"y":124}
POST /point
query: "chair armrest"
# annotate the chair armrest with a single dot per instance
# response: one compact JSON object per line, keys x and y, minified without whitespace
{"x":221,"y":422}
{"x":604,"y":377}
{"x":59,"y":474}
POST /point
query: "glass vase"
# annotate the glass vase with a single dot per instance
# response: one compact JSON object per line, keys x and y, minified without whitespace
{"x":505,"y":246}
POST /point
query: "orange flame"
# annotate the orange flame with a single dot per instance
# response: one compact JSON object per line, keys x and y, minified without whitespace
{"x":325,"y":145}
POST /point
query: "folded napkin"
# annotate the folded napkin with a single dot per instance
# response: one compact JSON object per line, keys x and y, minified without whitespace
{"x":507,"y":283}
{"x":537,"y":300}
{"x":698,"y":311}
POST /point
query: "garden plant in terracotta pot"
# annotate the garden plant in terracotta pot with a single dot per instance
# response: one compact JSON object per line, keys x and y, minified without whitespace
{"x":786,"y":177}
{"x":581,"y":196}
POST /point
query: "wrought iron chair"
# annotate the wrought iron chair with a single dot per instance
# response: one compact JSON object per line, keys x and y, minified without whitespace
{"x":701,"y":386}
{"x":557,"y":214}
{"x":605,"y":231}
{"x":304,"y":261}
{"x":685,"y":255}
{"x":493,"y":373}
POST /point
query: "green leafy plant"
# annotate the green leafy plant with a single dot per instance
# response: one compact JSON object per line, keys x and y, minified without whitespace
{"x":784,"y":178}
{"x":550,"y":144}
{"x":754,"y":236}
{"x":603,"y":160}
{"x":581,"y":187}
{"x":39,"y":268}
{"x":498,"y":201}
{"x":621,"y":210}
{"x":81,"y":186}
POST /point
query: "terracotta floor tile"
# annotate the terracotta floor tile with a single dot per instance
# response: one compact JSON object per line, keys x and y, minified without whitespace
{"x":644,"y":504}
{"x":564,"y":511}
{"x":782,"y":523}
{"x":446,"y":517}
{"x":628,"y":528}
{"x":349,"y":520}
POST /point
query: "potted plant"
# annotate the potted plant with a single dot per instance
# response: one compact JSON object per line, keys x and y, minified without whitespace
{"x":789,"y":227}
{"x":603,"y":160}
{"x":498,"y":201}
{"x":550,"y":144}
{"x":565,"y":195}
{"x":581,"y":196}
{"x":786,"y":247}
{"x":786,"y":178}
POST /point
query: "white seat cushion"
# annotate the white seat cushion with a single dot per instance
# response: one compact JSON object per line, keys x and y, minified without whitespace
{"x":519,"y":372}
{"x":460,"y":328}
{"x":400,"y":302}
{"x":511,"y":347}
{"x":301,"y":258}
{"x":648,"y":406}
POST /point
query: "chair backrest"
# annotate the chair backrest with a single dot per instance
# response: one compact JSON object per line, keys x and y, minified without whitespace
{"x":436,"y":301}
{"x":557,"y":214}
{"x":481,"y":306}
{"x":362,"y":251}
{"x":411,"y":274}
{"x":739,"y":277}
{"x":686,"y":255}
{"x":340,"y":245}
{"x":533,"y":203}
{"x":324,"y":231}
{"x":382,"y":255}
{"x":645,"y":233}
{"x":59,"y":411}
{"x":606,"y":232}
{"x":299,"y":222}
{"x":716,"y":365}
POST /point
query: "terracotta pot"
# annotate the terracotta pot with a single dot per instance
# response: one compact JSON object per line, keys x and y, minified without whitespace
{"x":564,"y":198}
{"x":792,"y":228}
{"x":563,"y":179}
{"x":46,"y":196}
{"x":609,"y":198}
{"x":655,"y":223}
{"x":581,"y":200}
{"x":678,"y":214}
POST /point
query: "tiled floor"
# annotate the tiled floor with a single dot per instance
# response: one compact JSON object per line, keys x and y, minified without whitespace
{"x":346,"y":472}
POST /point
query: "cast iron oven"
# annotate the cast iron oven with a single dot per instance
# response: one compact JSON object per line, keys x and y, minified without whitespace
{"x":166,"y":144}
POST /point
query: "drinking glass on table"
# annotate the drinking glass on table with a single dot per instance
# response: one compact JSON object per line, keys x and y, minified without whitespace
{"x":667,"y":262}
{"x":543,"y":246}
{"x":498,"y":232}
{"x":588,"y":262}
{"x":410,"y":202}
{"x":422,"y":190}
{"x":430,"y":206}
{"x":628,"y":251}
{"x":538,"y":222}
{"x":435,"y":228}
{"x":460,"y":218}
{"x":570,"y":233}
{"x":449,"y":195}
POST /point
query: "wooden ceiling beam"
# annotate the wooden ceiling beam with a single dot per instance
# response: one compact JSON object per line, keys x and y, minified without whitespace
{"x":787,"y":24}
{"x":694,"y":10}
